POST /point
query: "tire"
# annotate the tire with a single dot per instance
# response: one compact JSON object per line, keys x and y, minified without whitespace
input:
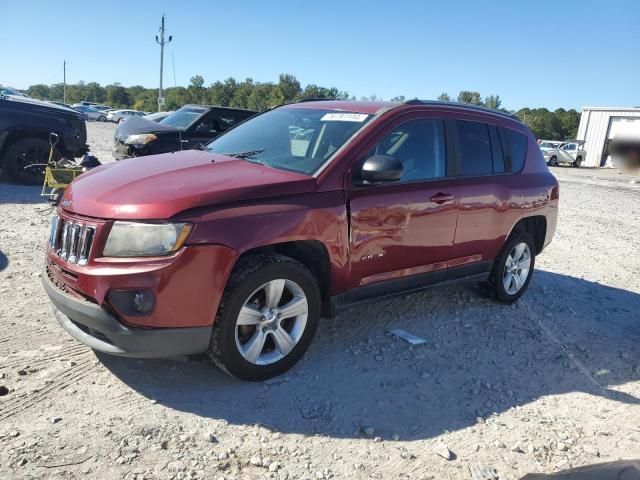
{"x":248,"y":290}
{"x":496,"y":287}
{"x":102,"y":118}
{"x":578,"y":162}
{"x":23,"y":153}
{"x":553,"y":161}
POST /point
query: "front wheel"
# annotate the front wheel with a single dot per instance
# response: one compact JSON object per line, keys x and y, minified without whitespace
{"x":513,"y":269}
{"x":553,"y":161}
{"x":26,"y":159}
{"x":102,"y":118}
{"x":267,"y":317}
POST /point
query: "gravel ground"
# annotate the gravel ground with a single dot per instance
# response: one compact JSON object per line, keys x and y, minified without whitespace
{"x":549,"y":383}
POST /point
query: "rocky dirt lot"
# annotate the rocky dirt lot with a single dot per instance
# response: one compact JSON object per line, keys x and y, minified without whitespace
{"x":496,"y":392}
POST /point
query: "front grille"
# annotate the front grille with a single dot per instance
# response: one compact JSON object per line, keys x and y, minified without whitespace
{"x":71,"y":241}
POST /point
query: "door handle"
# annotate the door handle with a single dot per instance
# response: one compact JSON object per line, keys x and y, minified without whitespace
{"x":441,"y":198}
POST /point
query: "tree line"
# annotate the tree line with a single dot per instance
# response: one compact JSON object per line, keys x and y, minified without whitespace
{"x":560,"y":124}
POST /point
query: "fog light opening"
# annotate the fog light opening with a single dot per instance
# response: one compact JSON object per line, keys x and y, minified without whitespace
{"x":132,"y":302}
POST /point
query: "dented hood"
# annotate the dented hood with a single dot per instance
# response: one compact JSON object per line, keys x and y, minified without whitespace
{"x":161,"y":186}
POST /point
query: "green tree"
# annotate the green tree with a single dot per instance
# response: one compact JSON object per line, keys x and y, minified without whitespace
{"x":444,"y":97}
{"x":493,"y":101}
{"x":398,"y":99}
{"x":39,"y":91}
{"x":221,"y":93}
{"x":117,"y":96}
{"x":287,"y":90}
{"x":197,"y":91}
{"x":469,"y":97}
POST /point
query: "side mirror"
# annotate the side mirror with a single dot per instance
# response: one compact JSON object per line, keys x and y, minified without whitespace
{"x":381,"y":168}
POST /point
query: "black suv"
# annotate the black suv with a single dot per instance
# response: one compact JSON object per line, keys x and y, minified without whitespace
{"x":25,"y":125}
{"x":184,"y":129}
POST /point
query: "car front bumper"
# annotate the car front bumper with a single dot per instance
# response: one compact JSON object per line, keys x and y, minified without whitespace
{"x":94,"y":326}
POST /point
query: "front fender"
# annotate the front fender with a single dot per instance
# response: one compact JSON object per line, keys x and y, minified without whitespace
{"x":316,"y":216}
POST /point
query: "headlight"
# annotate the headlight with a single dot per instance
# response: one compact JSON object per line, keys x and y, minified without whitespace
{"x":140,"y":139}
{"x":133,"y":239}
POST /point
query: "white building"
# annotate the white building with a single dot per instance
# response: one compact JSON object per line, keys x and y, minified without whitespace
{"x":598,"y":125}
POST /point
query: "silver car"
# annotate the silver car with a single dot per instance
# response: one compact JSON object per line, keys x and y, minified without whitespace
{"x":570,"y":152}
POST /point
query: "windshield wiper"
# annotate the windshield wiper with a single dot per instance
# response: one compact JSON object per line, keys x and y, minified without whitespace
{"x":245,"y":155}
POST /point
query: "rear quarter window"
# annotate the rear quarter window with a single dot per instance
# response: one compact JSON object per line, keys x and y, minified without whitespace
{"x":518,"y":146}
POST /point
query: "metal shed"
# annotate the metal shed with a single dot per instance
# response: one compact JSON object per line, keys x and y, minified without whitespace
{"x":598,"y":125}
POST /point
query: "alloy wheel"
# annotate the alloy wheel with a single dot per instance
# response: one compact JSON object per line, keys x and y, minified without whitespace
{"x":516,"y":268}
{"x":271,"y":322}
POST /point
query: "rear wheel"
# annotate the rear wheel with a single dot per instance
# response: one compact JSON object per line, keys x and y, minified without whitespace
{"x":24,"y":153}
{"x":267,"y":317}
{"x":102,"y":118}
{"x":553,"y":161}
{"x":512,"y":270}
{"x":578,"y":162}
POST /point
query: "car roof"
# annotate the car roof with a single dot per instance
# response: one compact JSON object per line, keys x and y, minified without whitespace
{"x":344,"y":105}
{"x":217,"y":107}
{"x":380,"y":107}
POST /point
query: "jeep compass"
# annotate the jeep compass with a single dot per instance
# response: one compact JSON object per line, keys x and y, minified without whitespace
{"x":239,"y":249}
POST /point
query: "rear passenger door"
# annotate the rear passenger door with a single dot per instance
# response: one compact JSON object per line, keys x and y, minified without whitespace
{"x":490,"y":197}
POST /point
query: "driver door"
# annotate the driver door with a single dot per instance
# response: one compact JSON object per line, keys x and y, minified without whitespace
{"x":203,"y":131}
{"x":404,"y":230}
{"x":568,"y":153}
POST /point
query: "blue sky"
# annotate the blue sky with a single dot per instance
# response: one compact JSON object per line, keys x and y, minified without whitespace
{"x":535,"y":53}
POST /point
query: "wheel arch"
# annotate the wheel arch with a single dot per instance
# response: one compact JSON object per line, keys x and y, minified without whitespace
{"x":313,"y":254}
{"x":536,"y":226}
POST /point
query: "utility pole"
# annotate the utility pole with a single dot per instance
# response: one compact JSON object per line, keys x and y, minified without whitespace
{"x":160,"y":41}
{"x":64,"y":81}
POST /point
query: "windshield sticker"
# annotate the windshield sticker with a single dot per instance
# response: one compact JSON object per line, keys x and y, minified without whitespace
{"x":344,"y":117}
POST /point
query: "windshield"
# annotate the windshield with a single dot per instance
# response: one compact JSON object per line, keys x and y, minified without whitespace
{"x":549,"y":145}
{"x":296,"y":139}
{"x":183,"y":118}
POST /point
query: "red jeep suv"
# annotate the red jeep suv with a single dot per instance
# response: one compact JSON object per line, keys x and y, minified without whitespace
{"x":238,"y":249}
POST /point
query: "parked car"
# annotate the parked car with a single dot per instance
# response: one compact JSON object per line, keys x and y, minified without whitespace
{"x":12,"y":92}
{"x":238,"y":249}
{"x":563,"y":153}
{"x":186,"y":128}
{"x":157,"y":116}
{"x":25,"y":125}
{"x":118,"y":116}
{"x":102,"y":108}
{"x":91,"y":113}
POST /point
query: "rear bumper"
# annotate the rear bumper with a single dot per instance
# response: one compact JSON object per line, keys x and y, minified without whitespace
{"x":92,"y":325}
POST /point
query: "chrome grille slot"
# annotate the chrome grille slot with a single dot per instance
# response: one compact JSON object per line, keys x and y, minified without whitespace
{"x":70,"y":240}
{"x":85,"y":245}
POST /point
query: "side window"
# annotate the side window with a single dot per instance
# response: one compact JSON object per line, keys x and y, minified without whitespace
{"x":419,"y":145}
{"x":475,"y":156}
{"x":496,"y":148}
{"x":518,"y":146}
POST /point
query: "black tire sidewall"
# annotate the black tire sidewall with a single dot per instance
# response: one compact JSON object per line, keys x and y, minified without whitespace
{"x":230,"y":357}
{"x":499,"y":289}
{"x":10,"y":157}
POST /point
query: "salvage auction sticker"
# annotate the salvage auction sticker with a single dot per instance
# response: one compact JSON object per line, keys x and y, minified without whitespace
{"x":344,"y":117}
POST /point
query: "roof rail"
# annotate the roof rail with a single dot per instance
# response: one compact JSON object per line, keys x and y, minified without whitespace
{"x":302,"y":100}
{"x":462,"y":105}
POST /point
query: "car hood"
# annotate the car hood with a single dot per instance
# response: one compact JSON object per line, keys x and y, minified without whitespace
{"x":135,"y":125}
{"x":161,"y":186}
{"x":27,"y":103}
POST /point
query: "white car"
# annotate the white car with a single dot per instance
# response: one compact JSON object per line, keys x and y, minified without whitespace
{"x":118,"y":116}
{"x":570,"y":152}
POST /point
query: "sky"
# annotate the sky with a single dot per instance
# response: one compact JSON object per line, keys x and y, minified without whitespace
{"x":532,"y":53}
